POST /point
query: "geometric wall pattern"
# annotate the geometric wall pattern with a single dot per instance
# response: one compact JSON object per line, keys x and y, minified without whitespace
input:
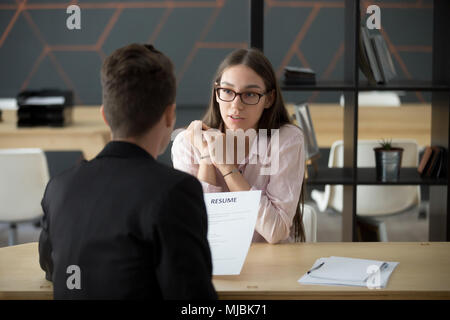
{"x":37,"y":50}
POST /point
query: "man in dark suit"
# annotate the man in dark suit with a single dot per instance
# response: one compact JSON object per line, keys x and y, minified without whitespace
{"x":123,"y":226}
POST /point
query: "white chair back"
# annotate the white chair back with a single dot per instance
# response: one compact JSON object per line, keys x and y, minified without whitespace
{"x":23,"y":177}
{"x":310,"y":223}
{"x":374,"y":200}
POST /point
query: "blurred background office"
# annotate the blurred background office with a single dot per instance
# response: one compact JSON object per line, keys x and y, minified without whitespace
{"x":38,"y":51}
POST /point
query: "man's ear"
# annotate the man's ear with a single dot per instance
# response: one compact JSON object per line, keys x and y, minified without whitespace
{"x":102,"y":110}
{"x":170,"y":115}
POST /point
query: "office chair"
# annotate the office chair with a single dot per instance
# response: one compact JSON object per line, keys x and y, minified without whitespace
{"x":23,"y":177}
{"x":373,"y":202}
{"x":310,"y":223}
{"x":61,"y":160}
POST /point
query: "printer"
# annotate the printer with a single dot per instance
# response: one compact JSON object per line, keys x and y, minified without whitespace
{"x":48,"y":107}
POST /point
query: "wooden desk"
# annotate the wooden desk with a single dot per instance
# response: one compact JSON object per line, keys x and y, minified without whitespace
{"x":272,"y":271}
{"x":88,"y":133}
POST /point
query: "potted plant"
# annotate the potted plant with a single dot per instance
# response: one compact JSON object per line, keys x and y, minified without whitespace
{"x":388,"y":160}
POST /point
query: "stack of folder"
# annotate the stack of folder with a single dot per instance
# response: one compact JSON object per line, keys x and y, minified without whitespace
{"x":48,"y":107}
{"x":298,"y":76}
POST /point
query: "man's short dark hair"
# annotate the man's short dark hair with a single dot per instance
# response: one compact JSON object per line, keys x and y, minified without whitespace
{"x":138,"y":84}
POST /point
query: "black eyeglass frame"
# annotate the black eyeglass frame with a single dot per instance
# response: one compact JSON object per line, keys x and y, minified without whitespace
{"x":260,"y":95}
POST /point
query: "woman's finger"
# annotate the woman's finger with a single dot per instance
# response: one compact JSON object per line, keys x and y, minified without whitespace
{"x":204,"y":126}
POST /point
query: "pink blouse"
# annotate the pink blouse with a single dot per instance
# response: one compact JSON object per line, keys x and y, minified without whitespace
{"x":280,"y":188}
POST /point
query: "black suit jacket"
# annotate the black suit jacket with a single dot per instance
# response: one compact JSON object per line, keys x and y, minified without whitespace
{"x":134,"y":227}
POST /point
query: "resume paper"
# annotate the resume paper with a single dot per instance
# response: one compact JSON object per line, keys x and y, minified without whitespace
{"x":231,"y":223}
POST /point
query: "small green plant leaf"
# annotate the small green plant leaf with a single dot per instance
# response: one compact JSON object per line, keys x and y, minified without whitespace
{"x":386,"y":144}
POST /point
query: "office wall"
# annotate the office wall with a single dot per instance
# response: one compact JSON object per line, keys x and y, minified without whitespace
{"x":37,"y":50}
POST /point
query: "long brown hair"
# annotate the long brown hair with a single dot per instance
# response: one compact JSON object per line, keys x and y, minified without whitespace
{"x":271,"y":118}
{"x":299,"y":229}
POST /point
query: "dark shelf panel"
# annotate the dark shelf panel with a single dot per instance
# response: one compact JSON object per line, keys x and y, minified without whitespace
{"x":366,"y":176}
{"x":320,"y":86}
{"x":408,"y":176}
{"x":400,"y":85}
{"x":330,"y":176}
{"x":404,"y":85}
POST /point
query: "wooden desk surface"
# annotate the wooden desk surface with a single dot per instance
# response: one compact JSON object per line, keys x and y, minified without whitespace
{"x":85,"y":118}
{"x":411,"y":121}
{"x":88,"y":133}
{"x":408,"y":121}
{"x":272,"y":271}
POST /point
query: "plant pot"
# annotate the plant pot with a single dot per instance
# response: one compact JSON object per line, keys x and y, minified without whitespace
{"x":388,"y":163}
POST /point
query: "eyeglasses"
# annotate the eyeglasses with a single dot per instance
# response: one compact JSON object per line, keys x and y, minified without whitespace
{"x":228,"y":95}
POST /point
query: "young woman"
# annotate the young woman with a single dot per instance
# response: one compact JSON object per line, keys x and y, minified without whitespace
{"x":246,"y":98}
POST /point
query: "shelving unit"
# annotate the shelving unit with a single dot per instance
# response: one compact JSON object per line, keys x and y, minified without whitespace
{"x":351,"y":176}
{"x":367,"y":176}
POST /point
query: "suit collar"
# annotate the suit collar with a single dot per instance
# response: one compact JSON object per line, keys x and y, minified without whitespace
{"x":122,"y":149}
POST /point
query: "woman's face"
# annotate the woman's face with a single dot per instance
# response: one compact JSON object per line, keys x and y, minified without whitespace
{"x":236,"y":114}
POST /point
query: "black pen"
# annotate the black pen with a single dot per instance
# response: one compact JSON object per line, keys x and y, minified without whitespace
{"x":315,"y":268}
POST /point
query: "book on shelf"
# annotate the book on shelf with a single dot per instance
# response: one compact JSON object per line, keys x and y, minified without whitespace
{"x":433,"y":163}
{"x":363,"y":61}
{"x":425,"y":159}
{"x":437,"y":166}
{"x":441,"y":169}
{"x":383,"y":57}
{"x":374,"y":58}
{"x":298,"y":76}
{"x":369,"y":59}
{"x":305,"y":123}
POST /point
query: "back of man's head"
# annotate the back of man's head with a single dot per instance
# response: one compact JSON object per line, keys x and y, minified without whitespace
{"x":138,"y":84}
